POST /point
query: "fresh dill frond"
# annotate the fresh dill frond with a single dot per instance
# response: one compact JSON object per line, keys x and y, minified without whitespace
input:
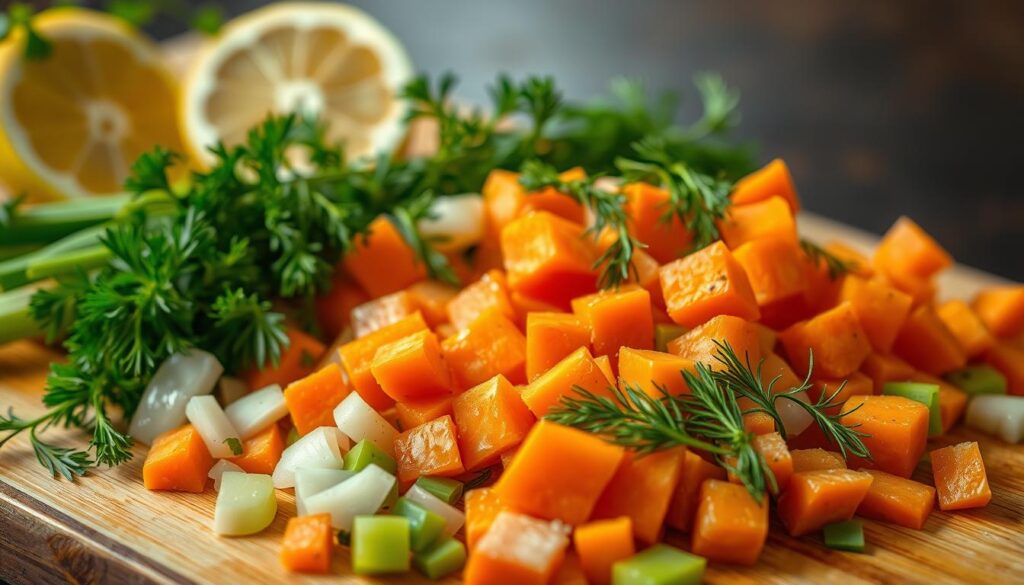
{"x":818,"y":255}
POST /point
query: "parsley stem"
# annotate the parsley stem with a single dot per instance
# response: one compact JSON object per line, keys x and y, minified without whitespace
{"x":86,"y":259}
{"x":47,"y":222}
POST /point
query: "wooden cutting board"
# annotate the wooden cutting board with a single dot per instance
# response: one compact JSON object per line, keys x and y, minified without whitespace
{"x":107,"y":528}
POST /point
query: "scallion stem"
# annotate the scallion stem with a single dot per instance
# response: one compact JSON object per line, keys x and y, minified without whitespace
{"x":48,"y":222}
{"x":86,"y":259}
{"x":16,"y":321}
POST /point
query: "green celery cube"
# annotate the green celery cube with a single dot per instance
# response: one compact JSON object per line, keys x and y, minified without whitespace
{"x":976,"y":380}
{"x":659,"y":565}
{"x":424,"y":526}
{"x":444,"y":557}
{"x":847,"y":536}
{"x":364,"y":453}
{"x":380,"y":544}
{"x":926,"y":394}
{"x":664,"y":333}
{"x":447,"y":490}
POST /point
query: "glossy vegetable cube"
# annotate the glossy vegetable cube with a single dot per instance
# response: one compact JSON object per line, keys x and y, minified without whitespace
{"x":660,"y":565}
{"x":926,"y":343}
{"x":311,"y":480}
{"x":602,"y":543}
{"x":816,"y":498}
{"x":382,"y":311}
{"x":960,"y":478}
{"x":898,"y":500}
{"x":444,"y":557}
{"x":357,"y":358}
{"x":246,"y":504}
{"x":641,"y":490}
{"x":549,"y":338}
{"x":413,"y":414}
{"x":488,"y":293}
{"x":364,"y":453}
{"x":617,"y":318}
{"x":360,"y":495}
{"x":848,"y":536}
{"x":429,"y":449}
{"x":453,"y":517}
{"x":384,"y":247}
{"x":491,"y":419}
{"x":653,"y":371}
{"x":445,"y":489}
{"x":517,"y":549}
{"x":424,"y":526}
{"x":412,"y":368}
{"x":490,"y":345}
{"x":926,"y":394}
{"x":312,"y":399}
{"x":966,"y":326}
{"x":261,"y":452}
{"x":835,"y":336}
{"x":308,"y":544}
{"x":707,"y":283}
{"x":360,"y":422}
{"x":699,"y":344}
{"x":880,"y":308}
{"x":896,"y":430}
{"x":577,"y":369}
{"x":380,"y":544}
{"x":769,"y":218}
{"x":771,"y":180}
{"x":976,"y":380}
{"x":177,"y":461}
{"x":730,"y":526}
{"x":1002,"y":309}
{"x":687,"y":493}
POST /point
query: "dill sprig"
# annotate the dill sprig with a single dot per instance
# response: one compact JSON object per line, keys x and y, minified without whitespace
{"x":818,"y":255}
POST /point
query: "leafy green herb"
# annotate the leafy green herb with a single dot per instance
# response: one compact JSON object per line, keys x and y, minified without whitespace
{"x":19,"y":15}
{"x":63,"y":461}
{"x":235,"y":445}
{"x":836,"y":265}
{"x":8,"y":209}
{"x":205,"y":18}
{"x":480,"y":479}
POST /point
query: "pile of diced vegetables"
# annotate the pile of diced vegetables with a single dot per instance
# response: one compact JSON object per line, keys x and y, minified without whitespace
{"x":418,"y":440}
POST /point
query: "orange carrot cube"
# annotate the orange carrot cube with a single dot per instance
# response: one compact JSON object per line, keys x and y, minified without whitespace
{"x":705,"y":284}
{"x":262,"y":451}
{"x":311,"y":400}
{"x":906,"y":250}
{"x":952,"y":400}
{"x":488,"y":346}
{"x":837,"y":339}
{"x":334,"y":307}
{"x":776,"y":454}
{"x":505,"y":199}
{"x":771,"y":218}
{"x":926,"y":343}
{"x":412,"y":368}
{"x":602,"y":543}
{"x":308,"y":544}
{"x":648,"y":370}
{"x":357,"y":357}
{"x":618,"y":318}
{"x":730,"y":525}
{"x":642,"y":489}
{"x":882,"y":368}
{"x":383,"y":262}
{"x":880,"y":308}
{"x":960,"y":477}
{"x":857,"y":384}
{"x":775,"y":268}
{"x":517,"y":549}
{"x":413,"y":414}
{"x":604,"y":363}
{"x":429,"y":449}
{"x":687,"y":494}
{"x":177,"y":461}
{"x":816,"y":498}
{"x":488,"y":293}
{"x":897,"y":500}
{"x":432,"y":298}
{"x":577,"y":369}
{"x":482,"y":506}
{"x":544,"y":479}
{"x":645,"y":206}
{"x":770,"y":181}
{"x":698,"y":344}
{"x":815,"y":460}
{"x":965,"y":325}
{"x":896,"y":429}
{"x":491,"y":419}
{"x":381,"y":312}
{"x":549,"y":338}
{"x":1001,"y":309}
{"x":1009,"y":361}
{"x":297,"y":360}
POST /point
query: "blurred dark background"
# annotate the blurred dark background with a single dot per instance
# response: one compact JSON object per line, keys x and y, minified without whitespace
{"x":881,"y":108}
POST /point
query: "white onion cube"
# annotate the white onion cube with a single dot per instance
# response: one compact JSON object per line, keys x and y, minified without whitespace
{"x":358,"y":420}
{"x":213,"y":426}
{"x":256,"y":411}
{"x":311,"y":480}
{"x":318,"y":448}
{"x":219,"y":469}
{"x":1002,"y":416}
{"x":179,"y":378}
{"x":456,"y":222}
{"x":361,"y":495}
{"x":246,"y":504}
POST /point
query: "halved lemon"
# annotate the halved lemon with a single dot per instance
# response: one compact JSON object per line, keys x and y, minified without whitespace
{"x":72,"y":123}
{"x":328,"y":60}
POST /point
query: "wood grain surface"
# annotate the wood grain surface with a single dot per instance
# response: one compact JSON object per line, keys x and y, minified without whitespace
{"x":106,"y":528}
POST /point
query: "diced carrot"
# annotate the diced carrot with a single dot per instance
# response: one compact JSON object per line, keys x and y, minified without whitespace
{"x":645,"y":206}
{"x":686,"y":497}
{"x":1001,"y":309}
{"x":604,"y":363}
{"x":308,"y":544}
{"x":413,"y":414}
{"x":817,"y":498}
{"x":577,"y":369}
{"x":758,"y":423}
{"x":857,"y":263}
{"x":312,"y":399}
{"x":822,"y":290}
{"x":816,"y":460}
{"x":545,"y":478}
{"x":897,"y":500}
{"x":1009,"y":361}
{"x":357,"y":357}
{"x":505,"y":199}
{"x":383,"y":262}
{"x":836,"y":338}
{"x":770,"y":181}
{"x":698,"y":344}
{"x":381,"y":312}
{"x":546,"y":258}
{"x":482,"y":506}
{"x":602,"y":543}
{"x":965,"y":325}
{"x":766,"y":338}
{"x":508,"y":456}
{"x":952,"y":400}
{"x":648,"y":277}
{"x":432,"y":298}
{"x":333,"y":308}
{"x":882,"y":368}
{"x":922,"y":290}
{"x":896,"y":429}
{"x":491,"y":419}
{"x":488,"y":293}
{"x":907,"y":250}
{"x":775,"y":268}
{"x":730,"y":525}
{"x":297,"y":360}
{"x":570,"y":572}
{"x":705,"y":284}
{"x":517,"y":550}
{"x":775,"y":368}
{"x":776,"y":454}
{"x":642,"y":489}
{"x":960,"y":477}
{"x":927,"y":344}
{"x":617,"y":318}
{"x":412,"y":368}
{"x":880,"y":308}
{"x":525,"y":305}
{"x":488,"y":346}
{"x":549,"y":338}
{"x":857,"y":384}
{"x":770,"y":218}
{"x":429,"y":449}
{"x":648,"y":370}
{"x":178,"y":461}
{"x":262,"y":451}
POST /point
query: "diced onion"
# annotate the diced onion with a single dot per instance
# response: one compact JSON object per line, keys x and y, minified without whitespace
{"x":311,"y":480}
{"x":246,"y":504}
{"x":179,"y":378}
{"x":1002,"y":416}
{"x":453,"y":517}
{"x":213,"y":426}
{"x":255,"y":412}
{"x":795,"y":419}
{"x":218,"y":470}
{"x":318,"y":448}
{"x":229,"y":390}
{"x":362,"y":494}
{"x":457,"y":222}
{"x":358,"y":420}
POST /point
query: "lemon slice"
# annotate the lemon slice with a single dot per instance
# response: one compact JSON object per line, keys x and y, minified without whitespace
{"x":327,"y":60}
{"x":72,"y":123}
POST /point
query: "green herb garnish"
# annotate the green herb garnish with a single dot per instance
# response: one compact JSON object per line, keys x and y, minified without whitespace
{"x":836,"y":266}
{"x":235,"y":445}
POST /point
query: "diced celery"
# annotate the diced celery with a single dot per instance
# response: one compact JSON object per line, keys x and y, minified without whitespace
{"x":976,"y":380}
{"x":664,"y":333}
{"x":246,"y":503}
{"x":447,"y":490}
{"x":454,"y":518}
{"x":659,"y":565}
{"x":365,"y":453}
{"x":424,"y":526}
{"x":926,"y":394}
{"x":444,"y":557}
{"x":847,"y":536}
{"x":380,"y":544}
